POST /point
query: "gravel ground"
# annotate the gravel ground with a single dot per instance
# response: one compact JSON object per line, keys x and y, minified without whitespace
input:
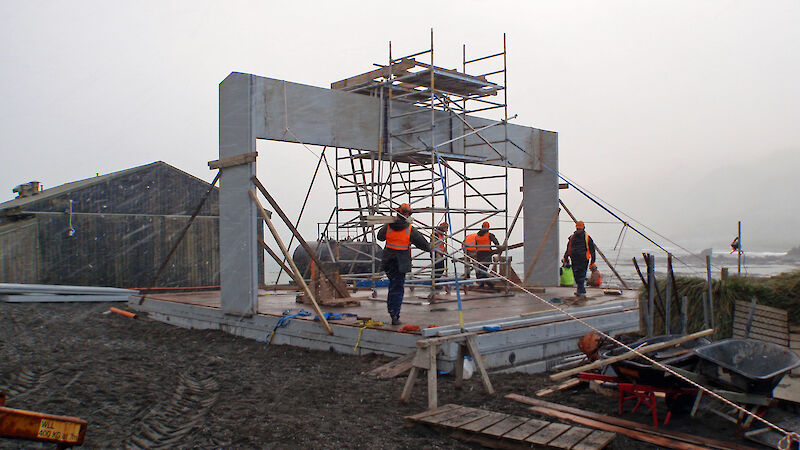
{"x":145,"y":383}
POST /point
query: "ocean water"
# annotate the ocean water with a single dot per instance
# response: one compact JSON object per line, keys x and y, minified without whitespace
{"x":755,"y":263}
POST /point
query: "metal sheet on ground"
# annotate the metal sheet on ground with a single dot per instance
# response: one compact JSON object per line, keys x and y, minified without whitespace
{"x":54,"y":298}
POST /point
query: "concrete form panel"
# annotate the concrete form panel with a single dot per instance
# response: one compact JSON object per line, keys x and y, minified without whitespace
{"x":237,"y":221}
{"x":540,"y":203}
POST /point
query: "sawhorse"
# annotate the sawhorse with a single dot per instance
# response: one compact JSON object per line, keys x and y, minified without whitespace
{"x":427,"y":349}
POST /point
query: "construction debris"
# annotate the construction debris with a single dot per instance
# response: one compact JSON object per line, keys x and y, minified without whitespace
{"x":43,"y":293}
{"x":498,"y":430}
{"x":634,"y":430}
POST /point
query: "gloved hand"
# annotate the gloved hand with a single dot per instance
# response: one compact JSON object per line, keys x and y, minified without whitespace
{"x":592,"y":266}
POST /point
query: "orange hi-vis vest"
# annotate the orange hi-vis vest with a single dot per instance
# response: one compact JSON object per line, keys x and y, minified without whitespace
{"x":484,"y":242}
{"x":398,"y":240}
{"x":442,"y":243}
{"x":588,"y":251}
{"x":469,"y":242}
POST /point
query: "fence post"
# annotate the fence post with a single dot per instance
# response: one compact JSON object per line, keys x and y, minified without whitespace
{"x":684,"y":314}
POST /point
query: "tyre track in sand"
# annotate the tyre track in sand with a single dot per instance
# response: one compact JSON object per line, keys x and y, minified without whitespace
{"x":169,"y":423}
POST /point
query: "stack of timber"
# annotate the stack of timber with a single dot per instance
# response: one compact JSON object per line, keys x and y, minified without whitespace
{"x":393,"y":368}
{"x":629,"y":428}
{"x":762,"y":323}
{"x":499,"y":430}
{"x":43,"y":293}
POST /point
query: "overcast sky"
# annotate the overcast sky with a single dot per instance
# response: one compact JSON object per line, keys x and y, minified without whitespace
{"x":682,"y":114}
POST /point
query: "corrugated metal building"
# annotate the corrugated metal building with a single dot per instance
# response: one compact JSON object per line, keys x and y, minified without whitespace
{"x":111,"y":230}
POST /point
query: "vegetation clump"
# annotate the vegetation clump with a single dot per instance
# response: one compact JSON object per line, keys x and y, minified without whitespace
{"x":779,"y":291}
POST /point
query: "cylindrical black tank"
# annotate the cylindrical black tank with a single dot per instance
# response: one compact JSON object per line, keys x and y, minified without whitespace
{"x":352,"y":257}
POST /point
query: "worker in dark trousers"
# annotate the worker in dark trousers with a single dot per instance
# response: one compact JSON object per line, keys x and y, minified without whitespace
{"x":483,"y":243}
{"x":396,"y":262}
{"x":580,"y":250}
{"x":440,"y":244}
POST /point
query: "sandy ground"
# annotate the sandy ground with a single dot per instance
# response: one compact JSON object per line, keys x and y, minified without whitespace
{"x":147,"y":383}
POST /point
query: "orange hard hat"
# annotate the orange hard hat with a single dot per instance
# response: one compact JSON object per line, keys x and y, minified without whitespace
{"x":485,"y":225}
{"x":580,"y":225}
{"x":404,"y":209}
{"x":443,"y":226}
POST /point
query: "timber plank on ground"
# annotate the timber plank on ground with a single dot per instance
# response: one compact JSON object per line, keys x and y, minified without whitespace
{"x":499,"y":430}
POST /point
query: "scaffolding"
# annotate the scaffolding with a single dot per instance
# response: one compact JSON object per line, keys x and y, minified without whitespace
{"x":411,"y":167}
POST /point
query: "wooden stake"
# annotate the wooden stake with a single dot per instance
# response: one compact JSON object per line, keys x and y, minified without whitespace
{"x":297,"y":277}
{"x":630,"y":355}
{"x":311,"y":253}
{"x":274,"y":256}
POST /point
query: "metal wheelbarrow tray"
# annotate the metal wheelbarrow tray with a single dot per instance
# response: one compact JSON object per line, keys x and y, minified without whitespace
{"x":748,"y":365}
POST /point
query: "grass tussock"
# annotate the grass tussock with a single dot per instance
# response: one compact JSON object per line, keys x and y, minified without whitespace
{"x":779,"y":291}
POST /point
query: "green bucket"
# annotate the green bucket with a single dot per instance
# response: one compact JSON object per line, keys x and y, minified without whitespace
{"x":567,"y":277}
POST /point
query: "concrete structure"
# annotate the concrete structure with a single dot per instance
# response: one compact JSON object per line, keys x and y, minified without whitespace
{"x":253,"y":107}
{"x":531,"y":333}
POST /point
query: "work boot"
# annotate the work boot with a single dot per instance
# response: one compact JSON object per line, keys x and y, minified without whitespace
{"x":396,"y":320}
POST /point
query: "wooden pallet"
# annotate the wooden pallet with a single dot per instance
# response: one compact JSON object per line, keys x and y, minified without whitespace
{"x":499,"y":430}
{"x":767,"y":324}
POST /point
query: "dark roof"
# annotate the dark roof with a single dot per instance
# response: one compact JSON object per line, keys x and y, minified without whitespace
{"x":76,"y":185}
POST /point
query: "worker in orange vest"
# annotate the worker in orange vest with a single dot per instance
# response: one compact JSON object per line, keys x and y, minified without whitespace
{"x":470,"y":252}
{"x":440,"y":246}
{"x":596,"y":278}
{"x":581,"y":251}
{"x":396,"y":261}
{"x":483,"y":244}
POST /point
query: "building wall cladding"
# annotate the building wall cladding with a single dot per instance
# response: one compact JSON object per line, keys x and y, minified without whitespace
{"x":124,"y":226}
{"x":18,"y":252}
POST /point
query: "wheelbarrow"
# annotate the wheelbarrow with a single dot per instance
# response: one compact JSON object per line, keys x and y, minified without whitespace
{"x":640,"y":371}
{"x":746,"y":370}
{"x":746,"y":365}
